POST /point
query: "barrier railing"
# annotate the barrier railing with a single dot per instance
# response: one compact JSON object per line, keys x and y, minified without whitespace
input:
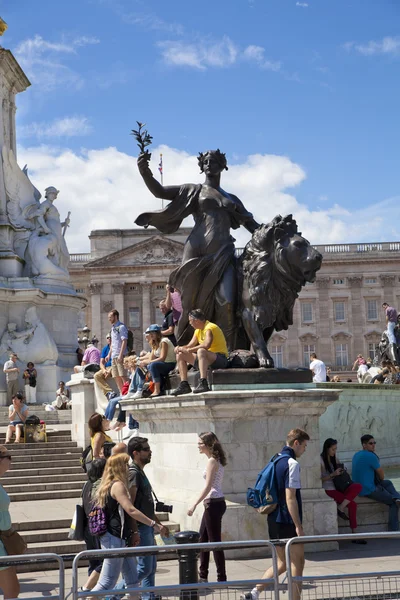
{"x":24,"y":559}
{"x":189,"y":591}
{"x":372,"y":585}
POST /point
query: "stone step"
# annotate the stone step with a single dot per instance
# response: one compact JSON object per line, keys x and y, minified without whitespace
{"x":45,"y":454}
{"x":45,"y":462}
{"x":55,"y":478}
{"x":41,"y":486}
{"x":60,"y":547}
{"x":30,"y":472}
{"x":52,"y":443}
{"x":45,"y":495}
{"x":36,"y":525}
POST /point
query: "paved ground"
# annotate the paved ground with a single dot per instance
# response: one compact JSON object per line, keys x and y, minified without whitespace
{"x":377,"y":556}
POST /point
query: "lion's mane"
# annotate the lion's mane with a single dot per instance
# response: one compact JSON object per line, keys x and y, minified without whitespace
{"x":273,"y":286}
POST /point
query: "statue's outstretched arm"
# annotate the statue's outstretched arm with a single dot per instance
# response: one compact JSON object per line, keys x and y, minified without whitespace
{"x":155,"y":187}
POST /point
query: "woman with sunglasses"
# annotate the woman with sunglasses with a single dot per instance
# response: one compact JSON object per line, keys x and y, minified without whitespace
{"x":213,"y":500}
{"x":162,"y":359}
{"x":331,"y":468}
{"x":98,"y":425}
{"x":9,"y":584}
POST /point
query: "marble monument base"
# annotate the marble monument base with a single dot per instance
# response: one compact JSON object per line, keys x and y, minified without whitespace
{"x":252,"y":426}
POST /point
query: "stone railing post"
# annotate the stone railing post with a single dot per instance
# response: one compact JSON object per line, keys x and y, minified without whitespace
{"x":83,"y":405}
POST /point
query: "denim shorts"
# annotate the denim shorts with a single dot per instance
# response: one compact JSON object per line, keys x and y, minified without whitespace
{"x":221,"y":362}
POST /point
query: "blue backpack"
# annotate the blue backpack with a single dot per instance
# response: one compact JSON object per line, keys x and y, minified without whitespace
{"x":264,"y":496}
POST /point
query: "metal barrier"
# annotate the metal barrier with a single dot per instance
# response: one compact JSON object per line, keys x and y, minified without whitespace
{"x":24,"y":559}
{"x":372,"y":585}
{"x":191,"y":591}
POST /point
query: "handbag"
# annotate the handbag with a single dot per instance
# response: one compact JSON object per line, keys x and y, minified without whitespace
{"x":342,"y":481}
{"x":77,"y":527}
{"x":13,"y":542}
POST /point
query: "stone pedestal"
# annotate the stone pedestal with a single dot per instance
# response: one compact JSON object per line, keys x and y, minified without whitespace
{"x":252,"y":426}
{"x":83,"y":405}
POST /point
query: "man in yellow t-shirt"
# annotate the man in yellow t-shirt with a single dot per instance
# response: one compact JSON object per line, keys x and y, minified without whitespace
{"x":206,"y":349}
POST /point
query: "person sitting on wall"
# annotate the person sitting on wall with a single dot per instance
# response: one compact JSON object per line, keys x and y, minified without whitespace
{"x":100,"y":378}
{"x":62,"y":400}
{"x":360,"y":360}
{"x":367,"y":470}
{"x":92,"y":355}
{"x":168,"y":326}
{"x":206,"y":349}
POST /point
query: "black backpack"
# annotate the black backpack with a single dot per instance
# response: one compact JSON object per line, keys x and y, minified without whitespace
{"x":32,"y":420}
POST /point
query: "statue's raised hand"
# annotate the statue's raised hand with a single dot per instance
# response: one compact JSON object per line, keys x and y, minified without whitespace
{"x":143,"y":164}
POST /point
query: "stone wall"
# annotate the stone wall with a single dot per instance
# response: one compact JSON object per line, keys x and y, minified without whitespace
{"x":361,"y":409}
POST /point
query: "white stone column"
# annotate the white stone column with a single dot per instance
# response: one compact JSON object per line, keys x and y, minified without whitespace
{"x":146,"y":305}
{"x":95,"y":301}
{"x":83,"y":406}
{"x":119,"y":304}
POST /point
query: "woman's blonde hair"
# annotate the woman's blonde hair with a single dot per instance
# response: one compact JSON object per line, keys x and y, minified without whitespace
{"x":116,"y":470}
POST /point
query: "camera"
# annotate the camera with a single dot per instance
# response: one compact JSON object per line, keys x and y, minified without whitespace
{"x":161,"y":507}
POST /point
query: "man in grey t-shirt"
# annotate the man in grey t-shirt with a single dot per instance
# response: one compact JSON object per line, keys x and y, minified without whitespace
{"x":12,"y":372}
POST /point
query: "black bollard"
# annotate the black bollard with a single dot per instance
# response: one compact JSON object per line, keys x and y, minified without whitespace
{"x":188,"y":562}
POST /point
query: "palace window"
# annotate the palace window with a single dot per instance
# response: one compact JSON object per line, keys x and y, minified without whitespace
{"x":133,"y":288}
{"x":338,"y":281}
{"x":372,"y":310}
{"x":339,"y":311}
{"x":277,"y":355}
{"x":307,"y":312}
{"x":370,"y":280}
{"x":158,"y":316}
{"x":160,"y":286}
{"x":308,"y":349}
{"x":134,"y":317}
{"x":341,"y":355}
{"x":373,"y":350}
{"x":80,"y":290}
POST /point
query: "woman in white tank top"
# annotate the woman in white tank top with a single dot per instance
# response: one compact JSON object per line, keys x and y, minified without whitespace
{"x":213,"y":500}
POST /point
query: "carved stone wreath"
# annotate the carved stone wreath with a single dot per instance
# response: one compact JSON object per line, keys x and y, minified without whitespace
{"x":107,"y":306}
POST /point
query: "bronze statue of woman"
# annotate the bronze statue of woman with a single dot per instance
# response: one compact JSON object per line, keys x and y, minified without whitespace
{"x":207,"y":277}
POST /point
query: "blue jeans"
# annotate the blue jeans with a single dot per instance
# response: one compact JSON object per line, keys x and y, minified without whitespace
{"x":390,"y":331}
{"x":160,"y":369}
{"x":110,"y":411}
{"x":147,"y":564}
{"x":137,"y":381}
{"x":112,"y":567}
{"x":386,"y":493}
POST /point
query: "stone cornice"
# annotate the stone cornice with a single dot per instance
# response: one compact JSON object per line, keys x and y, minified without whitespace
{"x":12,"y":72}
{"x":95,"y":288}
{"x":118,"y":288}
{"x":322,"y":282}
{"x":387,"y":279}
{"x":355,"y":281}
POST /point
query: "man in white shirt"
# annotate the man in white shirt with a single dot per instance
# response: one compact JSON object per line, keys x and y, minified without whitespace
{"x":12,"y":372}
{"x":318,"y":369}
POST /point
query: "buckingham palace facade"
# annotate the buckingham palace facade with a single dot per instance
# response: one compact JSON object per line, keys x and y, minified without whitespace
{"x":338,"y":316}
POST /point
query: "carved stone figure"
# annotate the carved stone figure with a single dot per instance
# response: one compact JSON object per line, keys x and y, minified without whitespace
{"x":207,"y":277}
{"x":47,"y":252}
{"x":34,"y":343}
{"x":39,"y":238}
{"x":276,"y":263}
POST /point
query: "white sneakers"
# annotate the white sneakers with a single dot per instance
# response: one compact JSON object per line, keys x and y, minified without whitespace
{"x":138,"y":394}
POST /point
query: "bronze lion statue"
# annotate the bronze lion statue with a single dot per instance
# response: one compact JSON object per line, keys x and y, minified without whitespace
{"x":276,"y":263}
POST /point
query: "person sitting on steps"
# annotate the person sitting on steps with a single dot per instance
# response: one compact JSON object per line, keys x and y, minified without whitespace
{"x":206,"y":349}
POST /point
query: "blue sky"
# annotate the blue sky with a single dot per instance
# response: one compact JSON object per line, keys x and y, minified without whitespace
{"x":316,"y":82}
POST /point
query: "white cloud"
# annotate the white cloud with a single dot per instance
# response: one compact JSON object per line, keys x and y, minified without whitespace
{"x":103,"y":189}
{"x":302,"y":4}
{"x":199,"y":55}
{"x":388,"y":45}
{"x":66,"y":127}
{"x":204,"y":54}
{"x":257,"y":55}
{"x":150,"y":21}
{"x":41,"y":61}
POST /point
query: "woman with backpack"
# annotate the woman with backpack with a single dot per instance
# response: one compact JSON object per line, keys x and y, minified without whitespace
{"x":113,"y":501}
{"x":98,"y":425}
{"x":213,"y":500}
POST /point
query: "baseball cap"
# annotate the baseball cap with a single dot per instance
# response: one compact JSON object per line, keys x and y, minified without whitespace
{"x":152,"y":328}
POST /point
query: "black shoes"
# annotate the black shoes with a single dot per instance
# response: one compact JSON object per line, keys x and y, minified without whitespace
{"x":183,"y":388}
{"x":201,"y":387}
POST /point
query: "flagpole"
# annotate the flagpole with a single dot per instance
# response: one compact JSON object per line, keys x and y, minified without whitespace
{"x":160,"y":168}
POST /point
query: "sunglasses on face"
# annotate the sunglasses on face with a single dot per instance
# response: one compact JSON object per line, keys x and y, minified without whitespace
{"x":372,"y":443}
